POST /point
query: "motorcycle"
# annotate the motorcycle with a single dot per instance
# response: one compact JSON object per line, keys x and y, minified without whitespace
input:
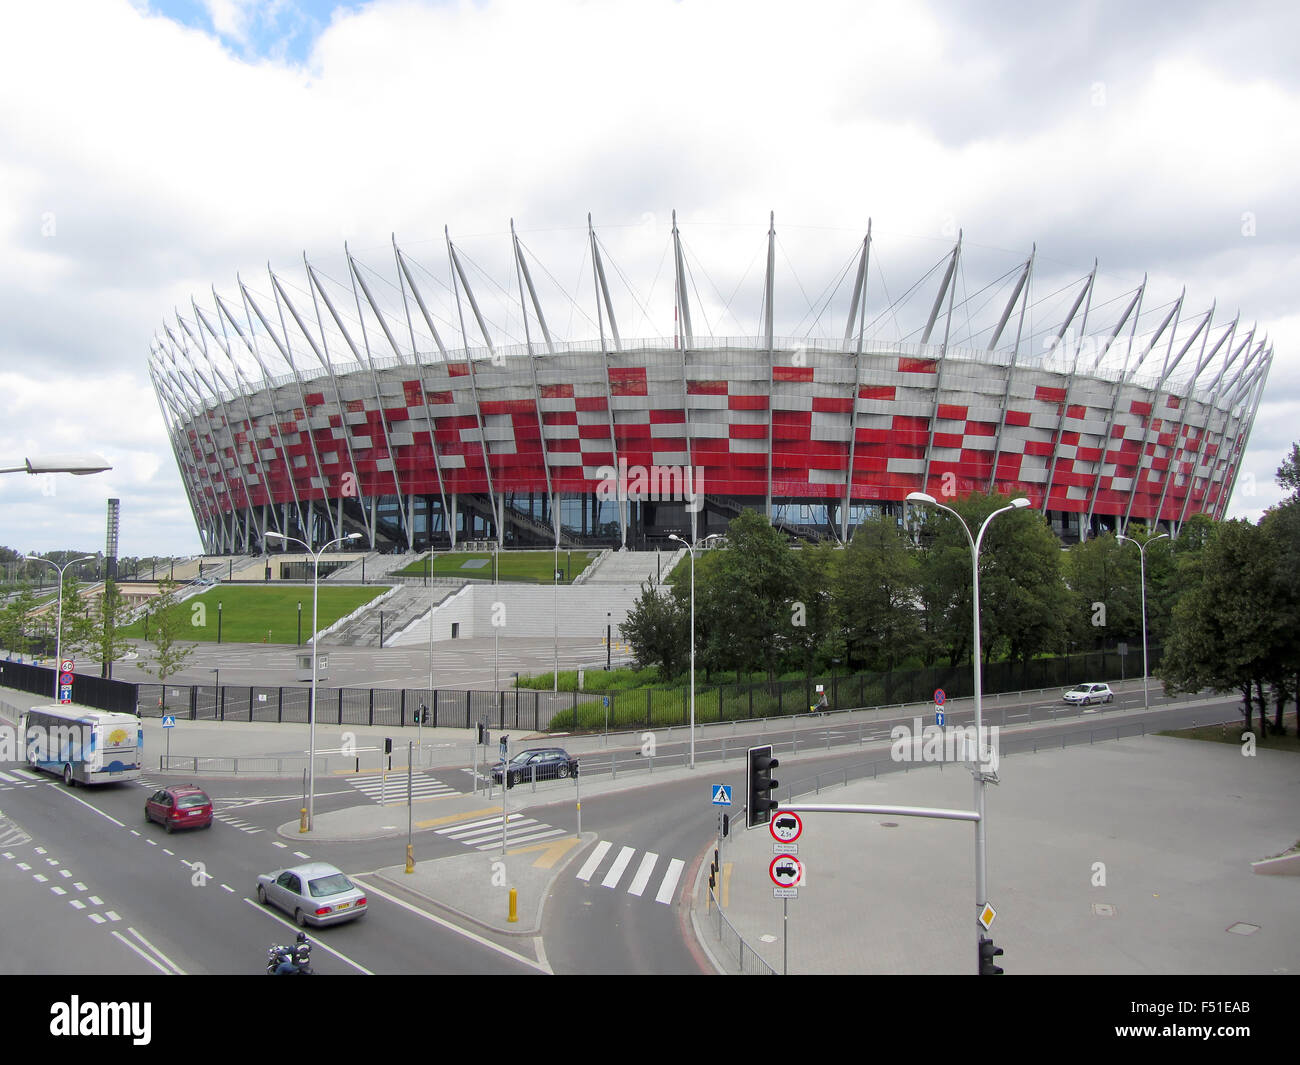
{"x":294,"y":961}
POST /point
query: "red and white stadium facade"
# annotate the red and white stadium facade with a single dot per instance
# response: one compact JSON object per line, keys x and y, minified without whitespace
{"x":316,"y":410}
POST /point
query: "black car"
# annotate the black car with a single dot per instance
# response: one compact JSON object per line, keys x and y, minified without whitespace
{"x":537,"y":763}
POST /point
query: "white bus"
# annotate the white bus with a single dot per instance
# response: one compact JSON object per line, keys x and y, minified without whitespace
{"x":83,"y":745}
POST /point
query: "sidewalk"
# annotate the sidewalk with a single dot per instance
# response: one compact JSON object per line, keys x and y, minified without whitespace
{"x":1124,"y":857}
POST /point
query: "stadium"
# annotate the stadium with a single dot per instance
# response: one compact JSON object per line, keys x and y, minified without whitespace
{"x":425,"y":408}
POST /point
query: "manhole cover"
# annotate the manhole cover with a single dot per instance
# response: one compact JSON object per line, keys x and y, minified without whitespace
{"x":767,"y":939}
{"x":888,"y":824}
{"x":1103,"y":909}
{"x":1243,"y":929}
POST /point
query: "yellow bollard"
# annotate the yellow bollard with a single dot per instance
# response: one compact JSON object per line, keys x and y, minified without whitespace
{"x":410,"y":858}
{"x":514,"y":906}
{"x":302,"y":820}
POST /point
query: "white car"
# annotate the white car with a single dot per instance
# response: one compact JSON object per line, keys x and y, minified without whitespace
{"x":1087,"y":694}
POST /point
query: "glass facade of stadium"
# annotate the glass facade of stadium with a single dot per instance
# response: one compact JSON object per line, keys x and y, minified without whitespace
{"x":625,"y":442}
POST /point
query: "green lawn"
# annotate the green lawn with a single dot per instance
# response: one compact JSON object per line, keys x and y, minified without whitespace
{"x":1231,"y":734}
{"x":513,"y":565}
{"x":261,"y":614}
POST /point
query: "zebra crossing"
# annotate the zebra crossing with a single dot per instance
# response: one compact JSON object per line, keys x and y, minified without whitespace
{"x":645,"y":871}
{"x":21,"y":778}
{"x":485,"y":834}
{"x":422,"y":787}
{"x":235,"y":822}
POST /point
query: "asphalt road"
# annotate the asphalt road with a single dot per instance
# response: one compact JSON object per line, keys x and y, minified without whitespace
{"x":185,"y":902}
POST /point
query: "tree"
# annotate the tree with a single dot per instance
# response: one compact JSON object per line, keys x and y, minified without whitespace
{"x":876,"y":596}
{"x":1103,"y":576}
{"x":1222,"y":636}
{"x":658,"y":630}
{"x":1025,"y":598}
{"x":170,"y":622}
{"x":18,"y":619}
{"x":1288,"y":474}
{"x":110,"y":617}
{"x":745,"y":596}
{"x":1281,"y":525}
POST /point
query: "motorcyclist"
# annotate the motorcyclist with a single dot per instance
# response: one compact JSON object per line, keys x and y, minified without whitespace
{"x":294,"y":962}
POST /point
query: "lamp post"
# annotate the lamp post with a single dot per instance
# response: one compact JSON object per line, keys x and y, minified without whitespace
{"x":81,"y":465}
{"x":1142,"y":565}
{"x":692,"y":547}
{"x":58,"y":636}
{"x":315,"y":615}
{"x":981,"y":870}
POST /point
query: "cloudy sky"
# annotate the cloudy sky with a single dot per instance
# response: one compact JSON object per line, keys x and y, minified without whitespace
{"x":152,"y":150}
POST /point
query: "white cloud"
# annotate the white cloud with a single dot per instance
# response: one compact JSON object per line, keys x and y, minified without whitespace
{"x":163,"y":164}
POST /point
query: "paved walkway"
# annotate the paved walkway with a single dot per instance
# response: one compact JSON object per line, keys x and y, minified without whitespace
{"x":1124,"y":857}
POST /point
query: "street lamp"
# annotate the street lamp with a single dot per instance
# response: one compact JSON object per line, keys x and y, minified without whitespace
{"x":692,"y":547}
{"x":1142,"y":564}
{"x":81,"y":465}
{"x":981,"y":878}
{"x":315,"y":603}
{"x":58,"y":637}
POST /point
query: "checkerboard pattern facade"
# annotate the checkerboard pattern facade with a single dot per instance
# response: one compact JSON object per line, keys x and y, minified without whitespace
{"x":801,"y":423}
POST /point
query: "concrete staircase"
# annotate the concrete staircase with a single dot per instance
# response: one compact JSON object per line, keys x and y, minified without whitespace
{"x":633,"y":567}
{"x":401,"y":606}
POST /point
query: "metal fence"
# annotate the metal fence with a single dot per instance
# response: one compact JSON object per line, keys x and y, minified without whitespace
{"x":731,"y":944}
{"x":113,"y":695}
{"x":566,"y":710}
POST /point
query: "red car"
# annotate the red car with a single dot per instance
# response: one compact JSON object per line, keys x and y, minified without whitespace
{"x":182,"y":806}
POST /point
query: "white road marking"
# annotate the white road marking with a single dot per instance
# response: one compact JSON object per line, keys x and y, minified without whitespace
{"x":166,"y":851}
{"x":24,"y":867}
{"x":615,"y":872}
{"x":643,"y":873}
{"x":371,"y":889}
{"x":299,"y":854}
{"x":669,"y":884}
{"x":79,"y":886}
{"x":88,"y":806}
{"x":597,"y":856}
{"x":58,"y":891}
{"x":77,"y":903}
{"x":152,"y":961}
{"x":316,"y":942}
{"x":174,"y":967}
{"x":111,"y":915}
{"x":227,"y":887}
{"x":40,"y":879}
{"x":96,"y":900}
{"x":96,"y":918}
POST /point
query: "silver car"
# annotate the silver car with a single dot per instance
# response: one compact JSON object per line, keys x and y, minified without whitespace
{"x":313,"y":893}
{"x":1087,"y":694}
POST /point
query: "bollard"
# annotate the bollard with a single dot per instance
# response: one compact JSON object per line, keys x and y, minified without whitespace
{"x":410,"y":858}
{"x":514,"y":906}
{"x":302,"y":820}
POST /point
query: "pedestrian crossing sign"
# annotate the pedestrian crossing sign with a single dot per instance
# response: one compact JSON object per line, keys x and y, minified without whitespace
{"x":169,"y":721}
{"x":722,"y":795}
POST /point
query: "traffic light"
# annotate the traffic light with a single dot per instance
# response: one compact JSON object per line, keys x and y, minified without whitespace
{"x":987,"y":953}
{"x":759,"y":803}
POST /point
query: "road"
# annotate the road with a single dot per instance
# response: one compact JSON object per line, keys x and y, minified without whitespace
{"x":111,"y":894}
